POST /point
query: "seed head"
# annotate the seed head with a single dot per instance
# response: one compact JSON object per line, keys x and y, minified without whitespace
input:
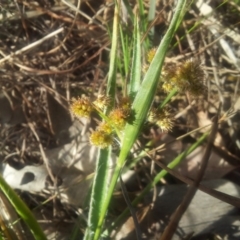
{"x":166,"y":124}
{"x":118,"y":118}
{"x":125,"y":105}
{"x":150,"y":55}
{"x":105,"y":127}
{"x":102,"y":102}
{"x":101,"y":139}
{"x":187,"y":76}
{"x":81,"y":107}
{"x":161,"y":117}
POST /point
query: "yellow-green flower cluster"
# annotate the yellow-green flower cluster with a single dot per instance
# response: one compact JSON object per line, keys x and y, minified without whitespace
{"x":125,"y":104}
{"x":116,"y":120}
{"x":150,"y":55}
{"x":101,"y":139}
{"x":162,"y":118}
{"x":81,"y":107}
{"x":187,"y":76}
{"x":102,"y":101}
{"x":105,"y":127}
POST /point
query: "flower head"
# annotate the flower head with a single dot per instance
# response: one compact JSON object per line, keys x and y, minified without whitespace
{"x":105,"y":127}
{"x":192,"y":77}
{"x":102,"y":102}
{"x":187,"y":76}
{"x":81,"y":107}
{"x":125,"y":105}
{"x":150,"y":55}
{"x":118,"y":117}
{"x":101,"y":139}
{"x":166,"y":123}
{"x":161,"y":117}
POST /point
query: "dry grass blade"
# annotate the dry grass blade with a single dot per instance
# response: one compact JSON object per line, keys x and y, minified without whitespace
{"x":175,"y":218}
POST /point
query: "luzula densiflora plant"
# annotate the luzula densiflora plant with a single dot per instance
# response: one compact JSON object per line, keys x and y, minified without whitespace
{"x":186,"y":76}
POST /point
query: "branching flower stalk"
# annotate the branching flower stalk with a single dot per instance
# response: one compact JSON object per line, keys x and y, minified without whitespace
{"x":187,"y":76}
{"x":111,"y":125}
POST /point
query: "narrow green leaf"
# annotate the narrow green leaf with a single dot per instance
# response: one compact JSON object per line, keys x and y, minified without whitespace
{"x":125,"y":51}
{"x":141,"y":15}
{"x":22,"y":210}
{"x":99,"y":193}
{"x":111,"y":86}
{"x":151,"y":15}
{"x":169,"y":97}
{"x":136,"y":61}
{"x":101,"y":180}
{"x":143,"y":24}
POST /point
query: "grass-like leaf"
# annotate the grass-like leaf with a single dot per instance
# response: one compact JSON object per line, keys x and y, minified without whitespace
{"x":22,"y":210}
{"x":99,"y":192}
{"x":99,"y":195}
{"x":136,"y":62}
{"x":111,"y":86}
